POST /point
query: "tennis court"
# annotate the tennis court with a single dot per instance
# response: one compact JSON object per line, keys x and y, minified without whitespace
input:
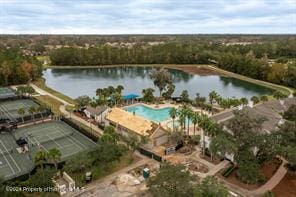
{"x":6,"y":93}
{"x":12,"y":163}
{"x":55,"y":134}
{"x":9,"y":109}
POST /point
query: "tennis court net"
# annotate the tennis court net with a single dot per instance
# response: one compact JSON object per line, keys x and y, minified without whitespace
{"x":36,"y":140}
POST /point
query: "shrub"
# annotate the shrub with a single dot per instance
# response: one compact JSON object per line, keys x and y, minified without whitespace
{"x":228,"y":171}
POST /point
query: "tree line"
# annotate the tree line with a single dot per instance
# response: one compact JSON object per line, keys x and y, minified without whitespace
{"x":16,"y":68}
{"x":250,"y":60}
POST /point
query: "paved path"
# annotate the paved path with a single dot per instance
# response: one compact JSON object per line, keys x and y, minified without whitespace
{"x":43,"y":92}
{"x":274,"y":180}
{"x":213,"y":169}
{"x":64,"y":111}
{"x":268,"y":186}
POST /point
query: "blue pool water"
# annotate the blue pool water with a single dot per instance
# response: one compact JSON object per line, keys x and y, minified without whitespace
{"x":156,"y":115}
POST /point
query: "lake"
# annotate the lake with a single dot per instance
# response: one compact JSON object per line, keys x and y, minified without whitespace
{"x":76,"y":82}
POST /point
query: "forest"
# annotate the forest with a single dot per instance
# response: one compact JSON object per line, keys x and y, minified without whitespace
{"x":251,"y":60}
{"x":16,"y":68}
{"x":265,"y":57}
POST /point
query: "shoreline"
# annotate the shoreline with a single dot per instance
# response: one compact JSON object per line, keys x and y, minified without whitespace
{"x":200,"y":69}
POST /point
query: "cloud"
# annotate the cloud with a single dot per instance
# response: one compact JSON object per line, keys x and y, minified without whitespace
{"x":147,"y":16}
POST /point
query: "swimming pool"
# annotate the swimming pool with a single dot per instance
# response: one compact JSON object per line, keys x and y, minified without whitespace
{"x":156,"y":115}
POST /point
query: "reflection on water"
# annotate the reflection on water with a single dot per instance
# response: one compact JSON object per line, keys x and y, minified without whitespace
{"x":76,"y":82}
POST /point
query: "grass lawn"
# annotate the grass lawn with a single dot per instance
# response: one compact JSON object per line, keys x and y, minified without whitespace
{"x":100,"y":172}
{"x":280,"y":88}
{"x":41,"y":84}
{"x":50,"y":102}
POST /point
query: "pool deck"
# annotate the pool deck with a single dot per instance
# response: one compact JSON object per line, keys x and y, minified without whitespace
{"x":171,"y":105}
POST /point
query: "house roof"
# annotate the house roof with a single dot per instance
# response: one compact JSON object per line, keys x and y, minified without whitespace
{"x":131,"y":122}
{"x":96,"y":111}
{"x":270,"y":110}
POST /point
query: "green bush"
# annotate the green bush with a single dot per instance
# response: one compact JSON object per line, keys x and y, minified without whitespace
{"x":249,"y":173}
{"x":228,"y":171}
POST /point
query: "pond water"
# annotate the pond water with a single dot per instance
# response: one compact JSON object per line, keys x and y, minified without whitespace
{"x":156,"y":115}
{"x":85,"y":81}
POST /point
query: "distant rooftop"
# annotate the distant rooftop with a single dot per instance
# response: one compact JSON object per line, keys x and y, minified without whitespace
{"x":96,"y":111}
{"x":270,"y":110}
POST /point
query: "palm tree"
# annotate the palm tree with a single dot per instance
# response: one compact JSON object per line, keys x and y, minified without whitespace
{"x":119,"y":89}
{"x":204,"y":122}
{"x":20,"y":91}
{"x":213,"y":95}
{"x":182,"y":117}
{"x":54,"y":155}
{"x":189,"y":113}
{"x":244,"y":101}
{"x":279,"y":95}
{"x":255,"y":99}
{"x":41,"y":109}
{"x":29,"y":90}
{"x":117,"y":98}
{"x":31,"y":111}
{"x":264,"y":98}
{"x":148,"y":95}
{"x":173,"y":113}
{"x":200,"y":101}
{"x":194,"y":120}
{"x":40,"y":158}
{"x":21,"y":112}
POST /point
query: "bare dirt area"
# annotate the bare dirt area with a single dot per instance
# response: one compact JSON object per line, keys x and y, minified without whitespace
{"x":195,"y":166}
{"x":200,"y":70}
{"x":234,"y":180}
{"x":287,"y":186}
{"x":214,"y":161}
{"x":268,"y":169}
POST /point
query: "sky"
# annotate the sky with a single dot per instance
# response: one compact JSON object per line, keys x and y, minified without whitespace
{"x":147,"y":16}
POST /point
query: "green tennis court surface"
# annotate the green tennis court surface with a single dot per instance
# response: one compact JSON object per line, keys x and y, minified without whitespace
{"x":6,"y":93}
{"x":55,"y":134}
{"x":12,"y":163}
{"x":9,"y":109}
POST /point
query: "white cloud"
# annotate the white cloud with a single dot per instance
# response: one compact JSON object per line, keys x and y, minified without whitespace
{"x":147,"y":16}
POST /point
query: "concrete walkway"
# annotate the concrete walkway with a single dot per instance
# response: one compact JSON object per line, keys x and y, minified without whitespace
{"x":64,"y":111}
{"x":213,"y":169}
{"x":274,"y":180}
{"x":43,"y":92}
{"x":268,"y":186}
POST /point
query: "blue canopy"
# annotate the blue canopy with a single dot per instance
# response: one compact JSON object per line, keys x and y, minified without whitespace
{"x":130,"y":96}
